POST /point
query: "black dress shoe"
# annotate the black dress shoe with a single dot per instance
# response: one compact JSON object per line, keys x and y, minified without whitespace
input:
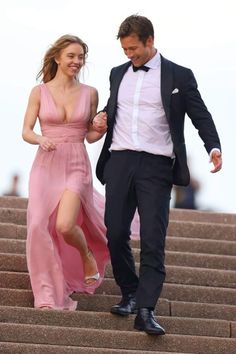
{"x":146,"y":322}
{"x":126,"y":306}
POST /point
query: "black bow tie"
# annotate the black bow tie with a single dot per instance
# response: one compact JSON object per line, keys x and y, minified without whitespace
{"x":142,"y":67}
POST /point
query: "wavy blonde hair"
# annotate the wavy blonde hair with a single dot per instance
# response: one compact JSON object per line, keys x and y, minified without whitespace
{"x":49,"y":66}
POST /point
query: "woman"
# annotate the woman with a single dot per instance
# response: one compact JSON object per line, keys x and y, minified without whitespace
{"x":66,"y":244}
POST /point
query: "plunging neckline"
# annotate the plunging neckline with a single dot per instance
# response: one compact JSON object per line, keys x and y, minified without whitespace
{"x":56,"y":108}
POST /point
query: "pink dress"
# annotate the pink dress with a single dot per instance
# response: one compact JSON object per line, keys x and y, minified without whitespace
{"x":55,"y":267}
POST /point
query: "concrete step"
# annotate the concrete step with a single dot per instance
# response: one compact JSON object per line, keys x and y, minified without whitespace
{"x":202,"y":310}
{"x":12,"y":246}
{"x":195,"y":245}
{"x":181,"y":292}
{"x":16,"y":297}
{"x":200,"y":276}
{"x":26,"y":348}
{"x":96,"y":302}
{"x":174,"y":244}
{"x":17,"y":262}
{"x":102,"y":302}
{"x":194,"y":293}
{"x":12,"y":231}
{"x":164,"y":307}
{"x":13,"y":202}
{"x":14,"y":280}
{"x":202,"y":216}
{"x":175,"y":275}
{"x":13,"y":262}
{"x":201,"y":260}
{"x":177,"y":292}
{"x":188,"y":228}
{"x":132,"y":340}
{"x":205,"y":230}
{"x":175,"y":214}
{"x":102,"y":320}
{"x":13,"y":215}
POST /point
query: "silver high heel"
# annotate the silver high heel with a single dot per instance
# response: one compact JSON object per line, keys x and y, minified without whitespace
{"x":90,"y":280}
{"x":95,"y":277}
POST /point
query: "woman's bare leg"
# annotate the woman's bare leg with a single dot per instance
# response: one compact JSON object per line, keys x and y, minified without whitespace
{"x":67,"y":214}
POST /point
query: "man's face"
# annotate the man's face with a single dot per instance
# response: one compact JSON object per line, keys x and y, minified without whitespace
{"x":135,"y":50}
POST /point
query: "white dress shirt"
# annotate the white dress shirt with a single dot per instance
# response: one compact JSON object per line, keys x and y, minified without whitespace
{"x":141,"y":123}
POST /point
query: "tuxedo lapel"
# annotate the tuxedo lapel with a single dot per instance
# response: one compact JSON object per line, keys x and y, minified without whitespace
{"x":166,"y":85}
{"x":115,"y":80}
{"x":116,"y":77}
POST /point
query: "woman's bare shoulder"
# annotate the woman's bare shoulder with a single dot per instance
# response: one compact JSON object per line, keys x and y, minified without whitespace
{"x":35,"y":92}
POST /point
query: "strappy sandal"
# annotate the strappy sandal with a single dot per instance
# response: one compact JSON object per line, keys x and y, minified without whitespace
{"x":91,"y":279}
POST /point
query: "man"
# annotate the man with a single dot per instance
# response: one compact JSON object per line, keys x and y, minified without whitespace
{"x":143,"y":156}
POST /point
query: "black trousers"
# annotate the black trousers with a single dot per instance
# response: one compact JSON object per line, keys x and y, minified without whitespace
{"x":143,"y":181}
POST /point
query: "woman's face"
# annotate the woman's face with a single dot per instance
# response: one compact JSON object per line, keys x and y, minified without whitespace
{"x":71,"y":59}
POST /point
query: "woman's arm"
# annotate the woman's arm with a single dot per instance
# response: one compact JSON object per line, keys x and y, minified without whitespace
{"x":94,"y":135}
{"x":31,"y":115}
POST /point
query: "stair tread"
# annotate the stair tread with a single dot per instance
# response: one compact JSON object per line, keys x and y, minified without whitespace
{"x":17,"y":261}
{"x":112,"y":339}
{"x":27,"y":348}
{"x":175,"y":275}
{"x":104,"y":320}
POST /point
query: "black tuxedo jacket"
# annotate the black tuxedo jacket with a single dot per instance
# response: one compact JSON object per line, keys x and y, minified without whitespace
{"x":180,"y":96}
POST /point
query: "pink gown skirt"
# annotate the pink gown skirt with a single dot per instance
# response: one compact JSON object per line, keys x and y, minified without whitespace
{"x":55,"y":268}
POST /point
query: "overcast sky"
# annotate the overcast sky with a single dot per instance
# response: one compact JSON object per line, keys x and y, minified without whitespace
{"x":197,"y":34}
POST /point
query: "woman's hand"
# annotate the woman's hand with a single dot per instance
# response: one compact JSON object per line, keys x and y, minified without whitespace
{"x":46,"y":143}
{"x":100,"y":122}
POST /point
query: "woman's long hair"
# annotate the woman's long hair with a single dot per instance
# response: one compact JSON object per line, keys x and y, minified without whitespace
{"x":49,"y":66}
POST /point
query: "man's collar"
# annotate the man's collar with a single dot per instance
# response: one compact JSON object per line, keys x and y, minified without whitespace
{"x":155,"y":62}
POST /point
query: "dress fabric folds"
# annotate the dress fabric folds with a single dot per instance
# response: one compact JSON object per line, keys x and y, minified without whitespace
{"x":55,"y":268}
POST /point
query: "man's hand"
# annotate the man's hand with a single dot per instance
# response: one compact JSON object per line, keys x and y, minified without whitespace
{"x":100,"y":122}
{"x":216,"y":158}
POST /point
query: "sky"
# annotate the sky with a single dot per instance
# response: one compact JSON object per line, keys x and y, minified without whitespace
{"x":197,"y":34}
